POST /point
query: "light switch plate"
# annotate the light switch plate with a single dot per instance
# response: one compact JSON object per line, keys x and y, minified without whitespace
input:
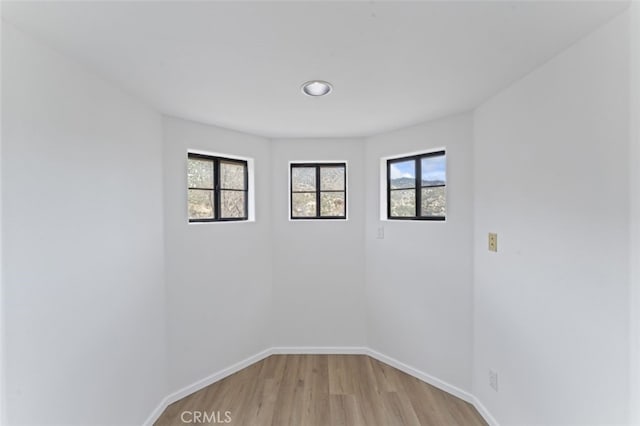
{"x":493,"y":242}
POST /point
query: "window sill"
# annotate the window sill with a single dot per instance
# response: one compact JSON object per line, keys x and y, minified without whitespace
{"x":217,"y":222}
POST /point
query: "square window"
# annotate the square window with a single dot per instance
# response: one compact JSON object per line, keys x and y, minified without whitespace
{"x":318,"y":191}
{"x":416,"y":187}
{"x":217,"y":188}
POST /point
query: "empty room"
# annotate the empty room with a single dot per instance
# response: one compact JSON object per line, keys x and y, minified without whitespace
{"x":320,"y":213}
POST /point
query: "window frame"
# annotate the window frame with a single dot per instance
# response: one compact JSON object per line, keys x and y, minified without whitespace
{"x":217,"y":189}
{"x":318,"y":166}
{"x":417,"y":158}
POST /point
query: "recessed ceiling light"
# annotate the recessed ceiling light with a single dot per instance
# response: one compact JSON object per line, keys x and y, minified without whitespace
{"x":316,"y":88}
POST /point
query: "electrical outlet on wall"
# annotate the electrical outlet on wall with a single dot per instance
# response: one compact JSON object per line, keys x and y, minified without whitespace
{"x":493,"y":241}
{"x":380,"y":235}
{"x":493,"y":380}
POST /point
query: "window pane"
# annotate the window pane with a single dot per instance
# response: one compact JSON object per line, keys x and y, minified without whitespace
{"x":232,"y":204}
{"x":403,"y":174}
{"x":303,"y":205}
{"x":403,"y":203}
{"x":232,"y":175}
{"x":332,"y":178}
{"x":200,"y":204}
{"x":303,"y":179}
{"x":434,"y":201}
{"x":434,"y":170}
{"x":200,"y":173}
{"x":332,"y":204}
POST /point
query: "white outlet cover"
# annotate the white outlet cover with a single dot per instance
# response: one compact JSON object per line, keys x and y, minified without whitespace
{"x":493,"y":380}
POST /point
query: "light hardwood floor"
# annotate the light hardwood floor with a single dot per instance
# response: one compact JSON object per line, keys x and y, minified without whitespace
{"x":321,"y":390}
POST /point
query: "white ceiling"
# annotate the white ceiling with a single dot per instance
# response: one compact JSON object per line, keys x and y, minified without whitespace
{"x":240,"y":65}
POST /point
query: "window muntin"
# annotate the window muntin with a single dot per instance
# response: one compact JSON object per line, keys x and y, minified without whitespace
{"x":218,"y":188}
{"x":416,"y":187}
{"x":318,"y":191}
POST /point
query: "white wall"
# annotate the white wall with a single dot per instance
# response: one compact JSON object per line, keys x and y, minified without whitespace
{"x":318,"y":275}
{"x":82,"y":244}
{"x":3,"y":417}
{"x":634,"y":166}
{"x":551,"y":178}
{"x":218,"y":274}
{"x":419,"y":277}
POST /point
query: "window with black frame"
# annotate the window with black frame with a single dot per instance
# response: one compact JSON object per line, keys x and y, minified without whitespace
{"x":218,"y":188}
{"x":416,"y":187}
{"x":318,"y":191}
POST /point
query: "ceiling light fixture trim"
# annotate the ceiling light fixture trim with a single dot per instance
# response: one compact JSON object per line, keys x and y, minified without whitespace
{"x":315,"y":88}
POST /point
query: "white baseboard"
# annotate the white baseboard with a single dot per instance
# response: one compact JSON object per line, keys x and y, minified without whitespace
{"x":203,"y":383}
{"x":321,"y":350}
{"x":156,"y":413}
{"x":433,"y":381}
{"x":486,"y":415}
{"x":440,"y":384}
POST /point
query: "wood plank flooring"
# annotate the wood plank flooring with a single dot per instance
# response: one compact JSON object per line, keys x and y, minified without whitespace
{"x":320,"y":390}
